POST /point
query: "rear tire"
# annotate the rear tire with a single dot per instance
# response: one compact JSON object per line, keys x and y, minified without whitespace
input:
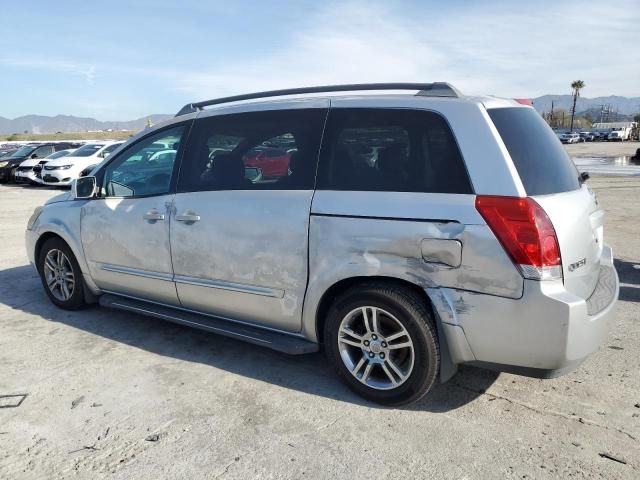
{"x":382,"y":341}
{"x":61,"y":275}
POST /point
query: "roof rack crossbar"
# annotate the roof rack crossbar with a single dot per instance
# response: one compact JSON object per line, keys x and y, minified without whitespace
{"x":435,"y":89}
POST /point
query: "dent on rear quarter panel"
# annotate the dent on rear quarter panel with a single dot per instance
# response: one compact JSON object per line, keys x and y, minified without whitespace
{"x":342,"y":248}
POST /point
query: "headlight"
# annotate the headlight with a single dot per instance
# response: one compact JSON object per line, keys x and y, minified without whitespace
{"x":3,"y":164}
{"x":34,"y":218}
{"x":63,"y":167}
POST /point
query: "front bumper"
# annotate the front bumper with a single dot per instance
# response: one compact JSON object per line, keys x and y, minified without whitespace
{"x":5,"y":173}
{"x":547,"y":332}
{"x":26,"y":177}
{"x":56,"y":177}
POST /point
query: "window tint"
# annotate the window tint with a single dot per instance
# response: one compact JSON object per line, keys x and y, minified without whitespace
{"x":391,"y":150}
{"x":539,"y":157}
{"x":259,"y":150}
{"x":42,"y":152}
{"x":144,"y":168}
{"x":23,"y":151}
{"x":109,"y":149}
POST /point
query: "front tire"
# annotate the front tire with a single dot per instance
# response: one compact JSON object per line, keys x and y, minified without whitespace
{"x":61,"y":275}
{"x":382,"y":341}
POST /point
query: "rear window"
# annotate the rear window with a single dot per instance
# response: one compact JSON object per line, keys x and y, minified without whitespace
{"x":539,"y":157}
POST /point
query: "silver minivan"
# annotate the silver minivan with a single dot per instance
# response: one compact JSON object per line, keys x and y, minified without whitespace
{"x":404,"y":228}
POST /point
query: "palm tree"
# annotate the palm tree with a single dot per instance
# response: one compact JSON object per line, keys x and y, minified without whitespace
{"x":576,"y":86}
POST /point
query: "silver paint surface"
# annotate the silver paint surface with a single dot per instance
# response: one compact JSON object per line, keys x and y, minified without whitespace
{"x":251,"y":254}
{"x":579,"y":225}
{"x":347,"y":247}
{"x":136,"y":251}
{"x":251,"y":239}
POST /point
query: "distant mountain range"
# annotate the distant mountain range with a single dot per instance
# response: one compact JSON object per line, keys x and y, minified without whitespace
{"x":624,"y":106}
{"x":69,"y":123}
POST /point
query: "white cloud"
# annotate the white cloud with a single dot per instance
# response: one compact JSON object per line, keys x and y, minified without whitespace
{"x":481,"y":49}
{"x":88,"y":71}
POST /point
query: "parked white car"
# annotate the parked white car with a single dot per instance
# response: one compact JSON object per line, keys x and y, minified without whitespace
{"x":62,"y":171}
{"x":25,"y":173}
{"x":569,"y":138}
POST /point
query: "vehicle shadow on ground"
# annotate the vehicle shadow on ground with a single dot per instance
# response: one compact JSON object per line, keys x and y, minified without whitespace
{"x":629,"y":273}
{"x":20,"y":289}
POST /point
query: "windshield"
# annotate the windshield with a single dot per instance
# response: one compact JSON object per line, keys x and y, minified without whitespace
{"x":24,"y":151}
{"x":88,"y":150}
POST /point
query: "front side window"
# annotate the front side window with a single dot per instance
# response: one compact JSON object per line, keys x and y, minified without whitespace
{"x":391,"y":150}
{"x":275,"y":150}
{"x":145,"y":168}
{"x":42,"y":152}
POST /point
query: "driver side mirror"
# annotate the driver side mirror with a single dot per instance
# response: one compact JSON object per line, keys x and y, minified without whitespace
{"x":84,"y":187}
{"x":34,"y":155}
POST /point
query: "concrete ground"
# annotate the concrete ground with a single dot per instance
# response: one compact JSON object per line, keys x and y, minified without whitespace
{"x":602,"y":149}
{"x":124,"y":396}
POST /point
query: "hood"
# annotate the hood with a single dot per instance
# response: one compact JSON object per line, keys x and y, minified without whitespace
{"x":69,"y":160}
{"x":13,"y":160}
{"x":31,"y":162}
{"x":63,"y":197}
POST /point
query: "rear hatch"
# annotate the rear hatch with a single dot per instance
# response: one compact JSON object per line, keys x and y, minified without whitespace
{"x":550,"y":177}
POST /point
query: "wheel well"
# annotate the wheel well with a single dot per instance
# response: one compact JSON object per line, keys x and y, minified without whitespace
{"x":43,"y":238}
{"x":343,"y":285}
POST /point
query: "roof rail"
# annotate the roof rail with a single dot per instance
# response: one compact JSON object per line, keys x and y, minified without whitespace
{"x":435,"y":89}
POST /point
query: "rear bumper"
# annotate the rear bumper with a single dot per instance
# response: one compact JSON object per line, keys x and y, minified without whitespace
{"x":546,"y":333}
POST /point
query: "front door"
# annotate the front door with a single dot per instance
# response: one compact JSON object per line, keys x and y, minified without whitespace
{"x":239,"y":234}
{"x":125,"y":232}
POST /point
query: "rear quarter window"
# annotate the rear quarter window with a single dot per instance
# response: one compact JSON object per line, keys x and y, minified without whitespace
{"x":391,"y":150}
{"x":540,"y":159}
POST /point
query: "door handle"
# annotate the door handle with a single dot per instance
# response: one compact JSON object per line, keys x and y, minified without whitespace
{"x":153,"y":215}
{"x":188,"y":217}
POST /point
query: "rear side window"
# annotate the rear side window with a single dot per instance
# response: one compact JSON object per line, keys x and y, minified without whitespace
{"x":273,"y":150}
{"x":391,"y":150}
{"x":539,"y":157}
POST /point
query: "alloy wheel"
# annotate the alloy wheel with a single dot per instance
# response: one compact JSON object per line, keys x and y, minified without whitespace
{"x":58,"y":275}
{"x":376,"y":348}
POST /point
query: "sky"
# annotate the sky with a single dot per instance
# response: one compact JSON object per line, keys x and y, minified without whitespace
{"x":120,"y":60}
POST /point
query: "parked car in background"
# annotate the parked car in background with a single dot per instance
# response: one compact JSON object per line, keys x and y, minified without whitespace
{"x":62,"y":171}
{"x":7,"y":152}
{"x":587,"y":136}
{"x":272,"y":161}
{"x":87,"y":170}
{"x":569,"y":138}
{"x":410,"y":233}
{"x":25,"y":172}
{"x":9,"y":165}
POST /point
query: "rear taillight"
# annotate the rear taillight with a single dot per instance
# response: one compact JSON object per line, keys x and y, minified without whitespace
{"x":526,"y":233}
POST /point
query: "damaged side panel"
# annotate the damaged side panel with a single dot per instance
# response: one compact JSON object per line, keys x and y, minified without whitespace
{"x":430,"y":254}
